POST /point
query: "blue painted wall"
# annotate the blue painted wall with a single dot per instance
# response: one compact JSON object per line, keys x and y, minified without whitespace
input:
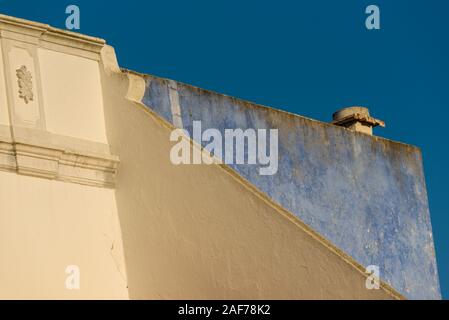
{"x":365,"y":194}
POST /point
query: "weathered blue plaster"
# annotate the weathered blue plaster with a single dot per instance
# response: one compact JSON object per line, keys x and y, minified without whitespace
{"x":365,"y":194}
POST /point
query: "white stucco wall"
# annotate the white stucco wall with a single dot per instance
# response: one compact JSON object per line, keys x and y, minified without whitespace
{"x":72,"y":96}
{"x":155,"y":230}
{"x":4,"y":115}
{"x":46,"y":226}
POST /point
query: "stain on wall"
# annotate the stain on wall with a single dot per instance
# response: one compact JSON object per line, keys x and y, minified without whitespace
{"x":203,"y":232}
{"x":365,"y":194}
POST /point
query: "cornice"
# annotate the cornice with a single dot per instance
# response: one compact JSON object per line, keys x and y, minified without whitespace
{"x":35,"y":153}
{"x":49,"y":37}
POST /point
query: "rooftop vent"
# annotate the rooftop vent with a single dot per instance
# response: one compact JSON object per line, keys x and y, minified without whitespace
{"x":357,"y":119}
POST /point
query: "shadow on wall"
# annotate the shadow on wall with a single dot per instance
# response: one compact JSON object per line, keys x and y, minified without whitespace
{"x":366,"y":194}
{"x":200,"y":232}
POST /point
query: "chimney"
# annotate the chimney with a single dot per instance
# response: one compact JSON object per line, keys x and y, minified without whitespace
{"x":357,"y":119}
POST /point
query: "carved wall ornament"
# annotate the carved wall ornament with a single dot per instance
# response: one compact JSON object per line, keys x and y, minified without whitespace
{"x":24,"y":79}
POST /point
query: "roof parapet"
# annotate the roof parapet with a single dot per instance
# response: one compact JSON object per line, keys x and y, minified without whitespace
{"x":48,"y":37}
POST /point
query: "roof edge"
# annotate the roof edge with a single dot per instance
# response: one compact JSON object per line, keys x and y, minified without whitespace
{"x":50,"y":37}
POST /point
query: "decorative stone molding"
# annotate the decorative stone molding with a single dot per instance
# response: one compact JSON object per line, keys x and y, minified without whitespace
{"x":45,"y":155}
{"x":25,"y":82}
{"x":24,"y":87}
{"x":49,"y":37}
{"x":26,"y":147}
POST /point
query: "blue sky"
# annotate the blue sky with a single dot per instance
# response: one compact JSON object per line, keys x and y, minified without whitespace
{"x":308,"y":57}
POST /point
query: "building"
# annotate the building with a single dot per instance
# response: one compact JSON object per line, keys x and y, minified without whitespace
{"x":87,"y":189}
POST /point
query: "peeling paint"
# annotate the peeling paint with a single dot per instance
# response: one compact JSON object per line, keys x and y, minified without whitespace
{"x":365,"y":194}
